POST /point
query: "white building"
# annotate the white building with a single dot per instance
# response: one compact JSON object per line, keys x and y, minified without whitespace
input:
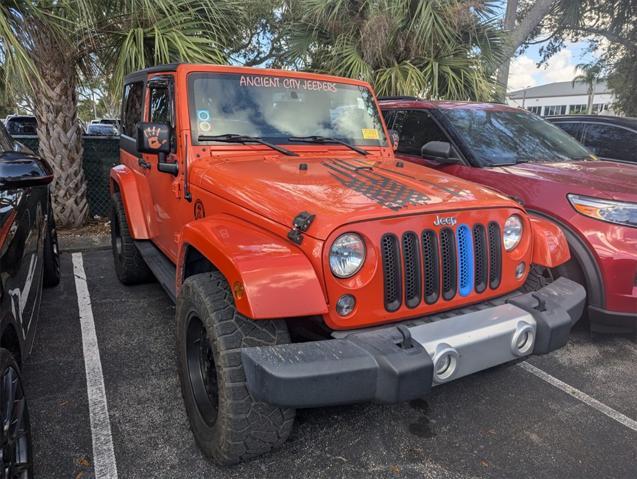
{"x":562,"y":98}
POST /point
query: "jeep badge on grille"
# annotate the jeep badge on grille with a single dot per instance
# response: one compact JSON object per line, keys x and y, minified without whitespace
{"x":448,"y":221}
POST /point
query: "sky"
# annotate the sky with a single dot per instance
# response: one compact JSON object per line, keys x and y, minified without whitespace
{"x":561,"y":67}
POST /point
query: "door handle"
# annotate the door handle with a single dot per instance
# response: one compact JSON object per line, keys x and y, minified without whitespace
{"x":143,"y":163}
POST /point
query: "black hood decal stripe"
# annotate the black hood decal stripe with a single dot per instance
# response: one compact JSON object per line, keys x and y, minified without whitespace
{"x":383,"y":190}
{"x":456,"y":192}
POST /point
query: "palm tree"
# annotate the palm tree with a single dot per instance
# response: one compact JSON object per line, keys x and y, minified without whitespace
{"x":436,"y":48}
{"x":591,"y":75}
{"x":48,"y":46}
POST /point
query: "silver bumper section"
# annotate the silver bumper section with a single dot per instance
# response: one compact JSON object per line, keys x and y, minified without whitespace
{"x":398,"y":362}
{"x":469,"y":343}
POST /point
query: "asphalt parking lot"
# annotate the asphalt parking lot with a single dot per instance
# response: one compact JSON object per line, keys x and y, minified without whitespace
{"x":506,"y":422}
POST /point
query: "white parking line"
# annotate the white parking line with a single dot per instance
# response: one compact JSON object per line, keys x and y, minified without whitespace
{"x":577,"y":394}
{"x":103,"y":453}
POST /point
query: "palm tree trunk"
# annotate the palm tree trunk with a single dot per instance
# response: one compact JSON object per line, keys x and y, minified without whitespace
{"x":589,"y":107}
{"x":60,"y":141}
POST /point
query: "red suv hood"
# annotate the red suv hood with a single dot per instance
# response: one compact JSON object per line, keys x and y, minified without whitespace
{"x":338,"y":190}
{"x":601,"y":179}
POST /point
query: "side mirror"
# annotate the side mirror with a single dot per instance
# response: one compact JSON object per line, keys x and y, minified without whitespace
{"x":394,"y":137}
{"x":23,"y":170}
{"x":440,"y":151}
{"x":153,"y":138}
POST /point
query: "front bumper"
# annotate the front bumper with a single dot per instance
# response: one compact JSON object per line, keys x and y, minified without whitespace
{"x":402,"y":362}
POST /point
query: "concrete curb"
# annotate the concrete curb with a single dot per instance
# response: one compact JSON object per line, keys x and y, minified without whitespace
{"x":84,"y":242}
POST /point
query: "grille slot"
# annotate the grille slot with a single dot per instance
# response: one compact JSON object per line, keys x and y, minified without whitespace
{"x":391,"y":272}
{"x":481,"y":257}
{"x":411,"y":261}
{"x":495,"y":255}
{"x":449,"y":263}
{"x":431,"y":263}
{"x":465,"y":260}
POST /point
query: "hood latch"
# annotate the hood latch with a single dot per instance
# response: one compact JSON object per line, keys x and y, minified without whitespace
{"x":300,"y":224}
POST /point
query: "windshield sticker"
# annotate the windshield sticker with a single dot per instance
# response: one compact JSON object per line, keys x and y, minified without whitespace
{"x":203,"y":120}
{"x":370,"y":134}
{"x":262,"y":81}
{"x":379,"y":188}
{"x":203,"y":115}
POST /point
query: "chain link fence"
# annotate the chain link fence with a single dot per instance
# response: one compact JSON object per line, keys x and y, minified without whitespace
{"x":100,"y":155}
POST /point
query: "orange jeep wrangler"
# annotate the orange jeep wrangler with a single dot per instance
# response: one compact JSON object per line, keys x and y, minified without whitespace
{"x":310,"y":267}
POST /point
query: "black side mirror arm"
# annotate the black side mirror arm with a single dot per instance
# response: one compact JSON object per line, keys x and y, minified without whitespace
{"x":165,"y":166}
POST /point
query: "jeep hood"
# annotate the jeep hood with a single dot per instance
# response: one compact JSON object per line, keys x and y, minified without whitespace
{"x":338,"y":190}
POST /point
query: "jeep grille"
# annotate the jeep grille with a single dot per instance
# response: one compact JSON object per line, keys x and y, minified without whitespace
{"x":425,"y":267}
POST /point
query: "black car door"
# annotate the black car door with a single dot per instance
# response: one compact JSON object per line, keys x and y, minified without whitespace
{"x":611,"y":142}
{"x":22,"y":230}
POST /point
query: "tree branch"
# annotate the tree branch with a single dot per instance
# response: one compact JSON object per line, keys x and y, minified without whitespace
{"x":611,"y":36}
{"x":530,"y":21}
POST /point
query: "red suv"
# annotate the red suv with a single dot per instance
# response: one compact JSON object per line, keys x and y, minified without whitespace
{"x":551,"y":174}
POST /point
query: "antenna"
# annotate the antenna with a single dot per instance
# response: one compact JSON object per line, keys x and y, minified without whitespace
{"x":187,"y":194}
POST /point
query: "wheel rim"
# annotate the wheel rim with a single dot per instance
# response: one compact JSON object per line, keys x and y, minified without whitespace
{"x":202,"y":372}
{"x":15,"y":442}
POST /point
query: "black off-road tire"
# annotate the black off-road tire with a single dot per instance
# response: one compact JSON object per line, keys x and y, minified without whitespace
{"x":239,"y":427}
{"x":129,"y":264}
{"x":538,"y":278}
{"x":17,"y":457}
{"x":51,"y":255}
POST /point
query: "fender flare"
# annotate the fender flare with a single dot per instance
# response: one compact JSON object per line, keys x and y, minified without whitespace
{"x":550,"y":247}
{"x":123,"y":178}
{"x":584,"y":258}
{"x":269,"y":277}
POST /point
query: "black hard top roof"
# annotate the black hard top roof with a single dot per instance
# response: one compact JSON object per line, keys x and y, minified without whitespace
{"x":140,"y":74}
{"x":628,"y":122}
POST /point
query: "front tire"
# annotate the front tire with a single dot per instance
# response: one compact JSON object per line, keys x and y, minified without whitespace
{"x":15,"y":440}
{"x":129,"y":264}
{"x":228,"y":424}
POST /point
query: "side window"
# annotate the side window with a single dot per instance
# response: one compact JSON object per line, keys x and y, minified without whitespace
{"x":160,"y":108}
{"x":416,"y":128}
{"x":572,"y":128}
{"x":132,"y":108}
{"x":6,"y":142}
{"x":610,"y":141}
{"x":388,"y":116}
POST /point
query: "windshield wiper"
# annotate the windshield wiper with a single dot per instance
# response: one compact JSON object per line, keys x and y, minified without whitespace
{"x":234,"y":138}
{"x":327,"y":140}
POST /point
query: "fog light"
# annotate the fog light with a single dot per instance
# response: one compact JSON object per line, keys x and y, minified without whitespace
{"x":345,"y":304}
{"x":445,"y":362}
{"x":519,"y":270}
{"x":523,"y":338}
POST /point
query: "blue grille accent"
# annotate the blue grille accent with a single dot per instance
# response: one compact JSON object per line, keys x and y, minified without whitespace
{"x":466,"y":268}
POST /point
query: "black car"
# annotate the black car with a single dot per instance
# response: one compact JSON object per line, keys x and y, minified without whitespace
{"x":28,"y":261}
{"x":101,"y":129}
{"x":22,"y":125}
{"x":609,"y":137}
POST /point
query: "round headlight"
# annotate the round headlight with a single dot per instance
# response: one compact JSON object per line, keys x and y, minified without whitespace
{"x":347,"y":255}
{"x":512,"y":232}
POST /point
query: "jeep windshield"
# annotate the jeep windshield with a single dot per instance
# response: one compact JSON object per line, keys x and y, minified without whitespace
{"x":506,"y":137}
{"x":280,"y":109}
